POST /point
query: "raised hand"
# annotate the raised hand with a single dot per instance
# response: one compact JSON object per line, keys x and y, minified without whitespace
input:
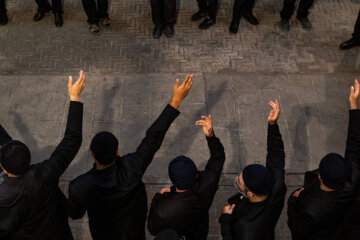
{"x":180,"y":92}
{"x":274,"y":113}
{"x":76,"y":88}
{"x":229,"y":209}
{"x":206,"y":123}
{"x":164,"y":190}
{"x":297,"y":193}
{"x":354,"y":95}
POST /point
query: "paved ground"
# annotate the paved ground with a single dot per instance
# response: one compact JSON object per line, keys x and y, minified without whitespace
{"x":130,"y":76}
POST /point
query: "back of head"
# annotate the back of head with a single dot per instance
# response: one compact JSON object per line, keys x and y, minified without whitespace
{"x":168,"y":234}
{"x":333,"y":171}
{"x":104,"y":146}
{"x":182,"y":172}
{"x":257,"y":179}
{"x":15,"y":157}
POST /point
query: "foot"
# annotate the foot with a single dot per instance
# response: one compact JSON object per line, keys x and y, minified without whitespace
{"x":39,"y":15}
{"x":208,"y":22}
{"x":157,"y":32}
{"x":234,"y":26}
{"x":350,"y":43}
{"x":169,"y":31}
{"x":305,"y":23}
{"x":251,"y":19}
{"x":58,"y":19}
{"x":106,"y":23}
{"x":284,"y":25}
{"x":3,"y":19}
{"x":198,"y":15}
{"x":94,"y":29}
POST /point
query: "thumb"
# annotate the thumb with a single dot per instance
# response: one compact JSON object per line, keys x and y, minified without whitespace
{"x":352,"y":90}
{"x":176,"y":84}
{"x":232,"y":206}
{"x":70,"y":82}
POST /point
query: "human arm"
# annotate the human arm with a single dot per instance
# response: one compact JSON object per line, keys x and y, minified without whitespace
{"x":155,"y":223}
{"x":65,"y":152}
{"x":74,"y":207}
{"x":225,"y":221}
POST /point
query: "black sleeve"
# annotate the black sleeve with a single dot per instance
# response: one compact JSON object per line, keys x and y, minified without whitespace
{"x":225,"y":221}
{"x":155,"y":223}
{"x":135,"y":164}
{"x":213,"y":169}
{"x":4,"y":136}
{"x":352,"y":153}
{"x":75,"y":209}
{"x":275,"y":159}
{"x":51,"y":169}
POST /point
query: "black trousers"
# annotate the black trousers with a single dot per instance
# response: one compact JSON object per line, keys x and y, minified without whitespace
{"x":2,"y":7}
{"x":289,"y":7}
{"x":44,"y":6}
{"x":163,"y":12}
{"x":242,"y":7}
{"x":356,"y":33}
{"x":209,"y":6}
{"x":93,"y":12}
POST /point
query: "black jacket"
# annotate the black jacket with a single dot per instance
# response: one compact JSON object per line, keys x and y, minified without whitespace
{"x":256,"y":221}
{"x":188,"y":212}
{"x":319,"y":215}
{"x":32,"y":206}
{"x":115,"y":197}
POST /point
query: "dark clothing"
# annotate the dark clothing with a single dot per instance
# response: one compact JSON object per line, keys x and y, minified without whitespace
{"x":115,"y":197}
{"x":188,"y":212}
{"x":44,"y":6}
{"x":319,"y":215}
{"x":2,"y":7}
{"x":352,"y":220}
{"x":95,"y":10}
{"x":289,"y":7}
{"x":242,"y":7}
{"x":356,"y":33}
{"x":163,"y":12}
{"x":32,"y":206}
{"x":256,"y":221}
{"x":209,"y":6}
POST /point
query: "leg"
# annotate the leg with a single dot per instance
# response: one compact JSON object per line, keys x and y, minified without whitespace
{"x":303,"y":9}
{"x":91,"y":11}
{"x":103,"y":6}
{"x":157,"y":12}
{"x":238,"y":9}
{"x":43,"y":5}
{"x":203,"y":6}
{"x":2,"y":7}
{"x":212,"y":10}
{"x":356,"y":33}
{"x":57,"y":6}
{"x":249,"y":5}
{"x":288,"y":9}
{"x":169,"y":8}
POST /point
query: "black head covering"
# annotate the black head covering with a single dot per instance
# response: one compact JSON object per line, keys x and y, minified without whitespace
{"x":333,"y":171}
{"x":168,"y":234}
{"x":257,"y":178}
{"x":15,"y":157}
{"x":182,"y":172}
{"x":104,"y":146}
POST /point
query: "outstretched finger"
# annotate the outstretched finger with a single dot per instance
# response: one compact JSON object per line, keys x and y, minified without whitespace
{"x":177,"y":82}
{"x":70,"y":82}
{"x":200,"y":123}
{"x":272,"y":104}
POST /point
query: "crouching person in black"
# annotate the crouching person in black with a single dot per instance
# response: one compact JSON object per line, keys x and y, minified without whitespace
{"x":31,"y":204}
{"x":185,"y":206}
{"x":254,"y":212}
{"x":112,"y":192}
{"x":316,"y":211}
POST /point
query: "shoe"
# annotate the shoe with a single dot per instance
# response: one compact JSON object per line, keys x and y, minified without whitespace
{"x":208,"y":22}
{"x":234,"y":26}
{"x":3,"y":19}
{"x":350,"y":43}
{"x":39,"y":15}
{"x":157,"y":32}
{"x":284,"y":24}
{"x":58,"y":19}
{"x":305,"y":23}
{"x":198,"y":15}
{"x":106,"y":23}
{"x":251,"y":19}
{"x":94,"y":29}
{"x":169,"y":31}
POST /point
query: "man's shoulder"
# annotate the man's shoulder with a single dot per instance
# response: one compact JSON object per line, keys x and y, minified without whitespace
{"x":82,"y":183}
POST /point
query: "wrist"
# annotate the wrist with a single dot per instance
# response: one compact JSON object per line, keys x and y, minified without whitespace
{"x":74,"y":98}
{"x":353,"y":105}
{"x":175,"y":103}
{"x":272,"y":122}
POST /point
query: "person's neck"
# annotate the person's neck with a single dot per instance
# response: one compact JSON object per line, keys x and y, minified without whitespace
{"x":325,"y":188}
{"x":180,"y":191}
{"x":257,"y":199}
{"x":99,"y":166}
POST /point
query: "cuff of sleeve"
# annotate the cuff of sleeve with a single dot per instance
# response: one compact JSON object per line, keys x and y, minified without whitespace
{"x":212,"y":137}
{"x":273,"y":128}
{"x":225,"y":218}
{"x":171,"y":109}
{"x":76,"y":104}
